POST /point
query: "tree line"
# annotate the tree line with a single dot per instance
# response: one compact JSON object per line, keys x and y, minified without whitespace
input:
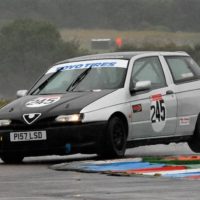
{"x":172,"y":15}
{"x":27,"y":49}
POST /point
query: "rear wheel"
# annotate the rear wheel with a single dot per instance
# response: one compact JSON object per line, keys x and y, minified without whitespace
{"x":114,"y":145}
{"x":11,"y":159}
{"x":194,"y":142}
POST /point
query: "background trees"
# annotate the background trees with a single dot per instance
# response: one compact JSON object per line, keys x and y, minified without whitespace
{"x":27,"y":49}
{"x":172,"y":15}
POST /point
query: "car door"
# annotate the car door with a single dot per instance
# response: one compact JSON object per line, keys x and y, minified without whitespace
{"x":154,"y":110}
{"x":186,"y":75}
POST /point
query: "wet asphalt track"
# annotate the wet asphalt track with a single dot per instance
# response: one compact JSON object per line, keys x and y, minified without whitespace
{"x":34,"y":180}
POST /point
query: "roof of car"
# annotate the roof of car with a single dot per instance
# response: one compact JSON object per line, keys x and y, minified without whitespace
{"x":118,"y":55}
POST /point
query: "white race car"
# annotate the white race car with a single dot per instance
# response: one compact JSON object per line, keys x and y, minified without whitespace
{"x":104,"y":104}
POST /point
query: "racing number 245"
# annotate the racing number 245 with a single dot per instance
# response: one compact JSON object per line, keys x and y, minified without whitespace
{"x":158,"y":111}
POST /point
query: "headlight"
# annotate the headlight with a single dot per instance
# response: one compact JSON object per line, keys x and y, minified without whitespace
{"x":69,"y":118}
{"x":5,"y":122}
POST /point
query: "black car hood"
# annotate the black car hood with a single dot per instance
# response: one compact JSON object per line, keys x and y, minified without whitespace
{"x":50,"y":105}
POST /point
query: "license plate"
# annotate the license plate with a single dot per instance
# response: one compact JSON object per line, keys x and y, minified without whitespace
{"x":28,"y":136}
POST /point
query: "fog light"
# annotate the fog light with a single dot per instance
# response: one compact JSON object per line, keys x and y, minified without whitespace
{"x":5,"y":122}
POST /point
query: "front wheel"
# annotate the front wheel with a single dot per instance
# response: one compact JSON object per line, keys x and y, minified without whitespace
{"x":114,"y":145}
{"x":11,"y":159}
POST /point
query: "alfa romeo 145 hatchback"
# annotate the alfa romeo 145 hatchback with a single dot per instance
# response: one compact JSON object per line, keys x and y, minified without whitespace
{"x":104,"y":104}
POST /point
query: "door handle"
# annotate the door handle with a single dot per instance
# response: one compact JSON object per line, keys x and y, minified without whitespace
{"x":168,"y":92}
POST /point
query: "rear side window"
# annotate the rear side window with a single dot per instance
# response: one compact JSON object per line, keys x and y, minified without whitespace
{"x":183,"y":68}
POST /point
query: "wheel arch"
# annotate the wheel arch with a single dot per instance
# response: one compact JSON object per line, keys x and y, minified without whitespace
{"x":197,"y":123}
{"x":123,"y":118}
{"x":194,"y":141}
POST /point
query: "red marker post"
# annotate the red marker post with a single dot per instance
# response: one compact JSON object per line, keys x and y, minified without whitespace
{"x":118,"y":42}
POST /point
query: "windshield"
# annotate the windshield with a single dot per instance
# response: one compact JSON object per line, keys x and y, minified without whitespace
{"x":83,"y":76}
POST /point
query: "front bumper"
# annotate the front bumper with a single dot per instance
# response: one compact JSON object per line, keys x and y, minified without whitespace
{"x":61,"y":140}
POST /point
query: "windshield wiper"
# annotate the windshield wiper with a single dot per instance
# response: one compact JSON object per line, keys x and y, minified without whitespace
{"x":37,"y":90}
{"x":78,"y":79}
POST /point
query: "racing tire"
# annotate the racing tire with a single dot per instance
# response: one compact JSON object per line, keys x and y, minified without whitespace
{"x":114,"y":145}
{"x":194,"y":142}
{"x":11,"y":159}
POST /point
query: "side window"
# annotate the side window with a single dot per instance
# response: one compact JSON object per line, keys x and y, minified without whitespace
{"x":148,"y":69}
{"x":182,"y":68}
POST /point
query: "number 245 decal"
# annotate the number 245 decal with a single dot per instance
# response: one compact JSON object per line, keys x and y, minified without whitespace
{"x":158,"y":111}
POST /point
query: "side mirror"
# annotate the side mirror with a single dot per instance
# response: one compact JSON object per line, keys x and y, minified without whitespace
{"x":141,"y":86}
{"x":21,"y":93}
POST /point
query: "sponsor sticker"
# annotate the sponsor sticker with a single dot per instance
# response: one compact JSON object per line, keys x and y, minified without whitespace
{"x":88,"y":64}
{"x":184,"y":121}
{"x":157,"y":112}
{"x":42,"y":101}
{"x":137,"y":108}
{"x":156,"y":97}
